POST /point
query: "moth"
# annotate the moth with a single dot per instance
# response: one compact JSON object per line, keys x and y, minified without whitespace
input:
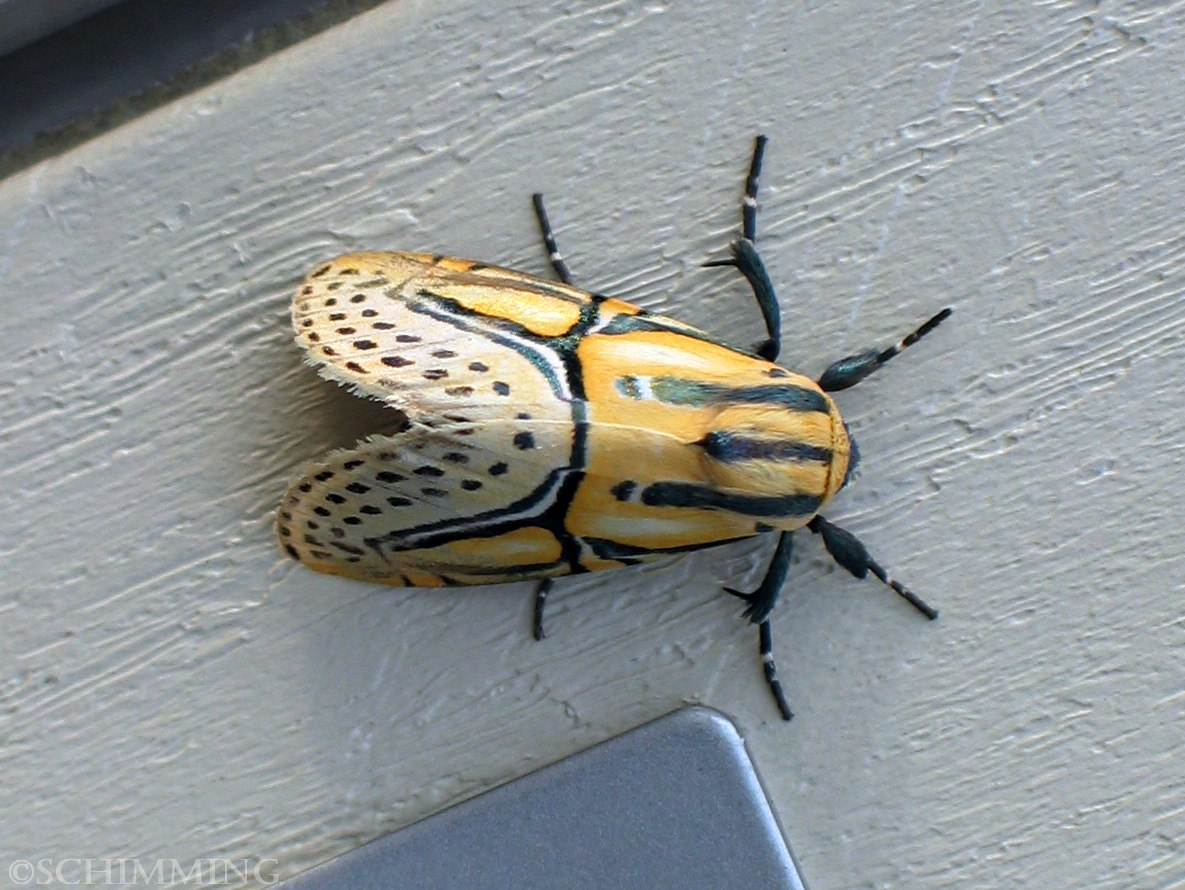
{"x":553,"y":431}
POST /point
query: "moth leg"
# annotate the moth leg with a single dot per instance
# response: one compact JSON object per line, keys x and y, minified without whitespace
{"x":553,"y":251}
{"x":759,"y":604}
{"x":852,"y":369}
{"x":761,"y":601}
{"x":537,"y":614}
{"x":846,"y":549}
{"x":765,"y":646}
{"x":746,"y":259}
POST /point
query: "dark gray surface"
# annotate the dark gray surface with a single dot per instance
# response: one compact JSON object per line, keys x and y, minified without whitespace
{"x":128,"y":57}
{"x":673,"y":804}
{"x":23,"y":21}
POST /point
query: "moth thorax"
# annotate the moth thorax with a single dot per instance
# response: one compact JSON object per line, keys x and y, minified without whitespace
{"x":775,"y":452}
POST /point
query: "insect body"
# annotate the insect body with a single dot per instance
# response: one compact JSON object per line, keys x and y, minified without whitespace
{"x":552,"y":431}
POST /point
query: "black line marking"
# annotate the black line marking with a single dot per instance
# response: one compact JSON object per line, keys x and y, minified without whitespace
{"x":730,"y":447}
{"x":633,"y":553}
{"x":688,"y":494}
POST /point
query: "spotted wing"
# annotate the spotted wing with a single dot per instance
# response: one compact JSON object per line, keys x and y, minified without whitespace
{"x":459,"y":504}
{"x":439,"y":337}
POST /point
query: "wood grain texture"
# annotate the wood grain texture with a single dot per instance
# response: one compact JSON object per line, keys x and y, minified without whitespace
{"x":173,"y":686}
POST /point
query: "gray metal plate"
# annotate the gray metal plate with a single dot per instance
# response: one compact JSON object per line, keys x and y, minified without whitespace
{"x":672,"y":804}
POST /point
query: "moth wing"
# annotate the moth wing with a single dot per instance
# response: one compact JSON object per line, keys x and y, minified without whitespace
{"x":438,"y":337}
{"x":425,"y":507}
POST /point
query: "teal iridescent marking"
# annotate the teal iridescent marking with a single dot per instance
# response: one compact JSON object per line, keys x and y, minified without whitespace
{"x":697,"y":394}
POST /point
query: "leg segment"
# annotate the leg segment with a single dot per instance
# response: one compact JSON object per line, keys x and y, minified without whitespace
{"x":540,"y":601}
{"x":766,"y":648}
{"x":746,"y":259}
{"x":847,"y":550}
{"x":761,"y":601}
{"x":851,"y":370}
{"x":749,"y":204}
{"x":553,"y":252}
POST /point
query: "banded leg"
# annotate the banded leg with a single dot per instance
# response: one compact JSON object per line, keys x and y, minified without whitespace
{"x":746,"y":259}
{"x":553,"y":251}
{"x":749,"y":202}
{"x":851,"y":370}
{"x":760,"y":603}
{"x":766,"y":648}
{"x":846,"y":549}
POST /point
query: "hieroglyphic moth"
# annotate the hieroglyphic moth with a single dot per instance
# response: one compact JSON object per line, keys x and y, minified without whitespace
{"x":551,"y":431}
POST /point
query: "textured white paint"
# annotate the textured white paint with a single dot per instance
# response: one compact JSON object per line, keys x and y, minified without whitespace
{"x":172,"y":687}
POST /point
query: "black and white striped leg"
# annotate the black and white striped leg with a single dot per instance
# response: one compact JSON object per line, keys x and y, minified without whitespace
{"x":851,"y":370}
{"x":846,"y":549}
{"x":746,"y":259}
{"x":760,"y":603}
{"x":540,"y":601}
{"x":553,"y":252}
{"x":749,"y":203}
{"x":766,"y":647}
